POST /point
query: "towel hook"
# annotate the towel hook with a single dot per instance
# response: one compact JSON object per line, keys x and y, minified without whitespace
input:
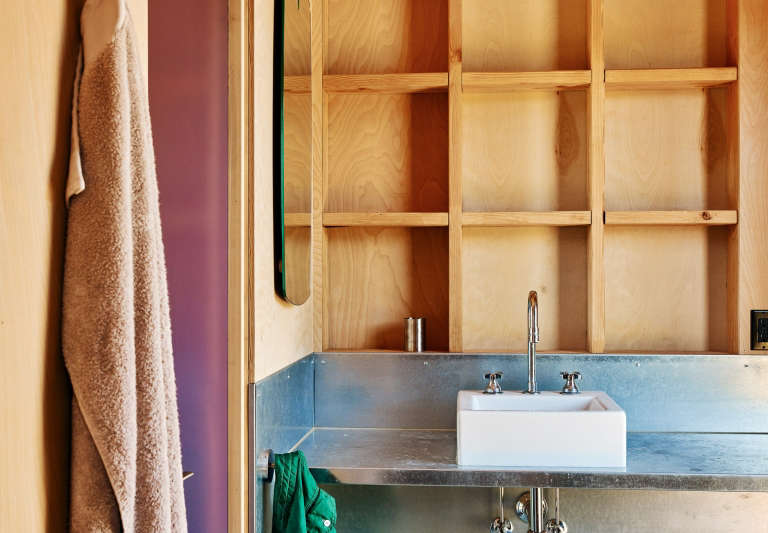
{"x":265,"y":465}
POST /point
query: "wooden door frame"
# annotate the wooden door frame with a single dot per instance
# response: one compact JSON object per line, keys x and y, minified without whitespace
{"x":240,"y":259}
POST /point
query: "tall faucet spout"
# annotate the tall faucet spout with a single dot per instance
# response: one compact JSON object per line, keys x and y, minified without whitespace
{"x":533,"y":338}
{"x":533,"y":317}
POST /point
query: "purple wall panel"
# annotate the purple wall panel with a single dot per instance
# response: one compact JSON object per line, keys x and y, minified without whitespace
{"x":188,"y":102}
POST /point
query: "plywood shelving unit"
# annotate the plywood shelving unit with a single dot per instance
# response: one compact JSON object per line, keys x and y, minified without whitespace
{"x":472,"y":151}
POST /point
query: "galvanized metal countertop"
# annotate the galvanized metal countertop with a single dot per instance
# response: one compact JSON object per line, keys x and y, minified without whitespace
{"x":656,"y":461}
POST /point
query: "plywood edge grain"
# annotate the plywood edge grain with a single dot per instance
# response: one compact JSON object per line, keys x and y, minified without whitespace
{"x":386,"y":83}
{"x":671,"y":218}
{"x":670,"y":78}
{"x":386,"y":219}
{"x":528,"y":218}
{"x":489,"y":82}
{"x":297,"y":84}
{"x":297,"y":220}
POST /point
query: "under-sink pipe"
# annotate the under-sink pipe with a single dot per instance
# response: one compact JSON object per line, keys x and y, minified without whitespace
{"x":536,"y":513}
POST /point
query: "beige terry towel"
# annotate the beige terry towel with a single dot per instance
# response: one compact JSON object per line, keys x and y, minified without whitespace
{"x":116,"y":334}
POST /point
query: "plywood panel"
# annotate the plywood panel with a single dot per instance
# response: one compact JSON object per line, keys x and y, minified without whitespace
{"x":524,"y":151}
{"x":501,"y":265}
{"x":666,"y":150}
{"x":753,"y":164}
{"x":665,"y":34}
{"x":281,"y":333}
{"x":40,"y":41}
{"x":386,"y":36}
{"x":504,"y":36}
{"x":297,"y":128}
{"x":666,"y":289}
{"x":378,"y":276}
{"x":297,"y":38}
{"x":387,"y":152}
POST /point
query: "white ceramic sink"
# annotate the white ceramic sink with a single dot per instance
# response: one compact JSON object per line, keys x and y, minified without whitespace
{"x":548,"y":429}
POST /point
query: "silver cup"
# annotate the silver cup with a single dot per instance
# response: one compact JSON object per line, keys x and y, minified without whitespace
{"x":415,"y":333}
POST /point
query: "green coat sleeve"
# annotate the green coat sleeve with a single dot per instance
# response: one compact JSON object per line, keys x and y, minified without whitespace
{"x":300,"y":505}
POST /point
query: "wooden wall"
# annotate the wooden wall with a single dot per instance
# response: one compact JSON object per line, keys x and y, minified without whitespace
{"x":282,"y":332}
{"x":39,"y":42}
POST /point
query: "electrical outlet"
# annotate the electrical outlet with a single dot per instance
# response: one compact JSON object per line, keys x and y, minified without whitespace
{"x":759,"y":330}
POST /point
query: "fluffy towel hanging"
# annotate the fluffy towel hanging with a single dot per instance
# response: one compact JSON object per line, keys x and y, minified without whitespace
{"x":116,"y":333}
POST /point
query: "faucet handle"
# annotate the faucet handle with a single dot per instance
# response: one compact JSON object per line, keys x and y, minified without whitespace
{"x":494,"y":385}
{"x":570,"y":385}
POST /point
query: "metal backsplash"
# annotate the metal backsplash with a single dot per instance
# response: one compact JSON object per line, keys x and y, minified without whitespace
{"x":690,"y":393}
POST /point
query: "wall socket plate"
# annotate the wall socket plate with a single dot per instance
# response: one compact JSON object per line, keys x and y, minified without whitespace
{"x":759,"y":330}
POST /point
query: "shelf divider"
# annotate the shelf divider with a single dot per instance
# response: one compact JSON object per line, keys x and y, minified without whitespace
{"x":455,"y":194}
{"x":596,"y":180}
{"x":670,"y":78}
{"x":528,"y":218}
{"x":495,"y":82}
{"x":386,"y":83}
{"x":386,"y":219}
{"x":671,"y":218}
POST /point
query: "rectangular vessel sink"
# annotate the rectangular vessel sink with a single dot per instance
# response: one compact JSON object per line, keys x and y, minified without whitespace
{"x":542,"y":430}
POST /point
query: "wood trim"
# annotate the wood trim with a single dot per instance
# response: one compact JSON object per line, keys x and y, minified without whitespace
{"x":753,"y":166}
{"x":321,"y":333}
{"x":386,"y":83}
{"x":386,"y":219}
{"x":670,"y":78}
{"x":318,"y":147}
{"x":297,"y":84}
{"x":240,"y":263}
{"x":297,"y":220}
{"x":596,"y":180}
{"x":732,"y":178}
{"x":490,"y":82}
{"x":528,"y":218}
{"x":671,"y":218}
{"x":455,"y":194}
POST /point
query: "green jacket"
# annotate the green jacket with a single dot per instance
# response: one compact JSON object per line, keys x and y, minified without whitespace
{"x":300,"y":506}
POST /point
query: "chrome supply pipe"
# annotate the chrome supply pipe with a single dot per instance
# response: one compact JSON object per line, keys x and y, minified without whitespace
{"x":536,"y":516}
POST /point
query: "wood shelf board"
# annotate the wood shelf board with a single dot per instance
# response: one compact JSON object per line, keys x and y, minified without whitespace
{"x":295,"y":220}
{"x":510,"y":138}
{"x":386,"y":219}
{"x":682,"y":78}
{"x":527,"y":218}
{"x":496,"y":281}
{"x":671,"y":218}
{"x":297,"y":84}
{"x":378,"y":276}
{"x":489,"y":82}
{"x":386,"y":83}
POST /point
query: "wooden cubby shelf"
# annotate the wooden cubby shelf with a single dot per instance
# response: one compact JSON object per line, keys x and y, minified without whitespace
{"x":672,"y":78}
{"x":386,"y":219}
{"x":671,"y":218}
{"x":496,"y":82}
{"x":527,"y":218}
{"x":386,"y":83}
{"x":596,"y":151}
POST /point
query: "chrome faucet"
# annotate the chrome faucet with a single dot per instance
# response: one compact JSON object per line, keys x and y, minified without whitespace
{"x":533,"y":338}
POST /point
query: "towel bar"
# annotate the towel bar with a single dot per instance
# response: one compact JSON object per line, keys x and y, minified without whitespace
{"x":265,"y":465}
